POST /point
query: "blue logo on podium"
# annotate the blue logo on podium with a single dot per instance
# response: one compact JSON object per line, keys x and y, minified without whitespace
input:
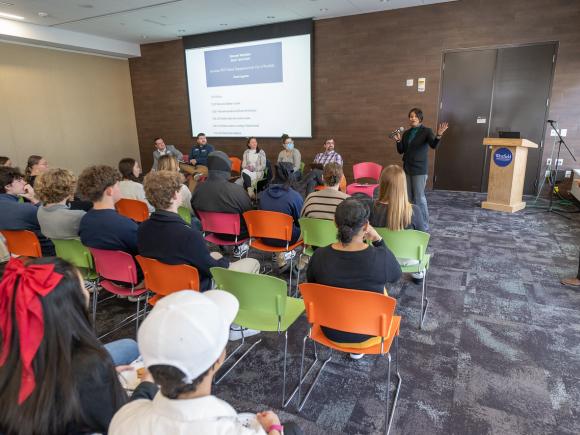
{"x":502,"y":157}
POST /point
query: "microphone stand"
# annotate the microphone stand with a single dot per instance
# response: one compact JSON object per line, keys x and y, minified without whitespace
{"x":553,"y":179}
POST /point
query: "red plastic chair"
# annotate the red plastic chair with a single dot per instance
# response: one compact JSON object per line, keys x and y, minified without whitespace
{"x":120,"y":267}
{"x":365,"y":170}
{"x":22,"y":243}
{"x":164,"y":279}
{"x":264,"y":224}
{"x":221,"y":223}
{"x":355,"y":311}
{"x":133,"y":209}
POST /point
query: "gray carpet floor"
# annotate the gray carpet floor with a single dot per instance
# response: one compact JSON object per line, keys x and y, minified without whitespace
{"x":499,"y":352}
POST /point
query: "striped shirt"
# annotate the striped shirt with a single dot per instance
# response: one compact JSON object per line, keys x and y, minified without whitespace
{"x":322,"y":204}
{"x":328,"y":157}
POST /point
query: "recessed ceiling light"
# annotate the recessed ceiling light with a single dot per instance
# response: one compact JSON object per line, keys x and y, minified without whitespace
{"x":223,"y":24}
{"x":144,"y":36}
{"x":323,"y":9}
{"x":10,"y":16}
{"x":122,"y":24}
{"x":43,"y":14}
{"x":181,"y":31}
{"x":270,"y":17}
{"x":6,"y":4}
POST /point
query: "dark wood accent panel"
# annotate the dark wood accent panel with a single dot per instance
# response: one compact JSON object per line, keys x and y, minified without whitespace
{"x":361,"y":63}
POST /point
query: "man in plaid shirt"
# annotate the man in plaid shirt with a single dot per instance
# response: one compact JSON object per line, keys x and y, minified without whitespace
{"x":314,"y":177}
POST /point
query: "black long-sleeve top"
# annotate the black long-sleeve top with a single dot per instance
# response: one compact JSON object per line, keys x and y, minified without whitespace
{"x":415,"y":152}
{"x":370,"y":269}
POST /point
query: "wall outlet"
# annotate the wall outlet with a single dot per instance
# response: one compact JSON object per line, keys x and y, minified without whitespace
{"x":553,"y":132}
{"x":559,"y":162}
{"x":564,"y":132}
{"x":568,"y":174}
{"x":548,"y":162}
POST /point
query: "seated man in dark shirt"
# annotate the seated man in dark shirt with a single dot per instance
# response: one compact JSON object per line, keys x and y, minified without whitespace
{"x":102,"y":227}
{"x":352,"y":263}
{"x":16,"y":215}
{"x":167,"y":238}
{"x":217,"y":194}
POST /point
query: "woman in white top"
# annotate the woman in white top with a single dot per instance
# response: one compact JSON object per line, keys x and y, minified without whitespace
{"x":290,"y":154}
{"x":130,"y":188}
{"x":253,"y":166}
{"x":169,"y":163}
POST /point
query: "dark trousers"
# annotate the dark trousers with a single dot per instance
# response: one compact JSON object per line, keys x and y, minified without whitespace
{"x":313,"y":179}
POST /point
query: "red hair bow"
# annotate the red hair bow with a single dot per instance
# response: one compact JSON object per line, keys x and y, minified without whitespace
{"x":35,"y":281}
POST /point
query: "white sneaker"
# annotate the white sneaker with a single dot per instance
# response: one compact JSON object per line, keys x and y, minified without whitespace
{"x":356,"y":355}
{"x":241,"y":250}
{"x":236,"y":332}
{"x":289,"y":255}
{"x":141,"y":298}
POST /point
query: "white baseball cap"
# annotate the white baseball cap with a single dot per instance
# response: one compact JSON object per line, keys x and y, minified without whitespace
{"x":188,"y":330}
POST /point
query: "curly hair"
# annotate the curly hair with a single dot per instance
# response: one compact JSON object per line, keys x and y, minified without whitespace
{"x":55,"y":185}
{"x":94,"y":180}
{"x":160,"y":186}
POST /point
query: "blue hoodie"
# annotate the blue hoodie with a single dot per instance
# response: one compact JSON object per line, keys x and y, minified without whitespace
{"x":285,"y":200}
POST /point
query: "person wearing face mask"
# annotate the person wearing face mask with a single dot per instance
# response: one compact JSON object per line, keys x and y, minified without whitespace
{"x":290,"y":155}
{"x":414,"y":145}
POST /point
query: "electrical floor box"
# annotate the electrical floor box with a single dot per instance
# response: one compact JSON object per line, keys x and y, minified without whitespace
{"x":575,"y":187}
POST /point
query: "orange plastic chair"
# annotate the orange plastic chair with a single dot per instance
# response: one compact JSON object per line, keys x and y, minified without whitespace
{"x":133,"y":209}
{"x":355,"y":311}
{"x":271,"y":225}
{"x":236,"y":164}
{"x":22,"y":243}
{"x":163,"y":279}
{"x":341,"y":187}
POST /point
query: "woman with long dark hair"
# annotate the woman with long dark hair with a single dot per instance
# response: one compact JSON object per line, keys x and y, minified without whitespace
{"x":35,"y":166}
{"x":55,"y":376}
{"x":130,"y":186}
{"x":253,"y":166}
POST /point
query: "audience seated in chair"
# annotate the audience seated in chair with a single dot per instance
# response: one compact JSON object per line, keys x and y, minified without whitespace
{"x":393,"y":210}
{"x":253,"y":166}
{"x":102,"y":227}
{"x":217,"y":194}
{"x":169,"y":163}
{"x":56,"y":377}
{"x":354,"y":264}
{"x":54,"y":188}
{"x":322,"y":204}
{"x":35,"y":166}
{"x":166,"y":237}
{"x":129,"y":185}
{"x":281,"y":197}
{"x":16,"y":215}
{"x":183,"y":344}
{"x":5,"y":161}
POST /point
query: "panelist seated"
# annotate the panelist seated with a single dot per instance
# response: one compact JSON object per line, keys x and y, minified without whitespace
{"x":314,"y":177}
{"x":253,"y":166}
{"x":200,"y":151}
{"x":161,"y":150}
{"x":290,"y":154}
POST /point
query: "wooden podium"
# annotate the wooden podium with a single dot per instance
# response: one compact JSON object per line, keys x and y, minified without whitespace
{"x":507,"y":172}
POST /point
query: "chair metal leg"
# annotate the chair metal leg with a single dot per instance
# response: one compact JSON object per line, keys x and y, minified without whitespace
{"x":389,"y":415}
{"x":291,"y":272}
{"x":95,"y":301}
{"x":220,"y":378}
{"x":424,"y":300}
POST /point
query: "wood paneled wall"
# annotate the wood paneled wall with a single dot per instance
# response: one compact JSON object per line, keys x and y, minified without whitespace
{"x":361,"y":64}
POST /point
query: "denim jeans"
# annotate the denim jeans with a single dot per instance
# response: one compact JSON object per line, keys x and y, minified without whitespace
{"x":416,"y":190}
{"x":123,"y":351}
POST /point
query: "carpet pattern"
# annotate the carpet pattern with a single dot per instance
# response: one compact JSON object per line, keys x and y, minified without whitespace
{"x":499,"y":352}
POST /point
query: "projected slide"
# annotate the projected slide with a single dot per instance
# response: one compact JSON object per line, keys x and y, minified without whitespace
{"x":258,"y":88}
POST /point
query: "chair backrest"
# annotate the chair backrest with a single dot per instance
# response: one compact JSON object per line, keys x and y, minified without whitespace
{"x":262,"y":297}
{"x":269,"y":224}
{"x":133,"y":209}
{"x":22,"y":242}
{"x":164,"y":278}
{"x":184,"y":214}
{"x":115,"y":265}
{"x":367,"y":170}
{"x":411,"y":244}
{"x":356,"y":311}
{"x":318,"y":232}
{"x":236,"y":164}
{"x":73,"y":251}
{"x":216,"y":222}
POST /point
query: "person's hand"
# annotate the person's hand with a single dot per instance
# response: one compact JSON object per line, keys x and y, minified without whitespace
{"x":29,"y":194}
{"x":124,"y":368}
{"x":442,"y":128}
{"x":371,"y":234}
{"x":267,"y":419}
{"x":145,"y":375}
{"x":193,"y":162}
{"x":250,"y":168}
{"x":397,"y":137}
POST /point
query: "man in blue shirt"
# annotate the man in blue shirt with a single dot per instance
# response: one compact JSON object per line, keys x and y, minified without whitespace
{"x":16,"y":215}
{"x":198,"y":159}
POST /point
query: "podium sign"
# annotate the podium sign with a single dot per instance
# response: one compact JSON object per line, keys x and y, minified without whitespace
{"x":507,"y":171}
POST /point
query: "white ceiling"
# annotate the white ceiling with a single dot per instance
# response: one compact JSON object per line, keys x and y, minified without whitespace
{"x":145,"y":21}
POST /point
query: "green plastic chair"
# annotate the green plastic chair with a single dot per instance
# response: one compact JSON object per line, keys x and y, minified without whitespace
{"x":302,"y":167}
{"x":73,"y":251}
{"x":264,"y":305}
{"x":184,"y":214}
{"x":410,"y":248}
{"x":315,"y":233}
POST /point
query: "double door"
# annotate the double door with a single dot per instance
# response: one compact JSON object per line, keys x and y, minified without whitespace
{"x":484,"y":92}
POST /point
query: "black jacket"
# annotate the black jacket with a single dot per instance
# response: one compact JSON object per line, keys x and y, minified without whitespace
{"x":415,"y":155}
{"x":167,"y":238}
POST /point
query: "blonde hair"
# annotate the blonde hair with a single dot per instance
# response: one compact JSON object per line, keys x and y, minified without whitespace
{"x":55,"y":185}
{"x":168,"y":163}
{"x":393,"y":191}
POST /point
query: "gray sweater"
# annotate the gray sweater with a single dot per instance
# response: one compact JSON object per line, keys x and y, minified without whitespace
{"x":59,"y":222}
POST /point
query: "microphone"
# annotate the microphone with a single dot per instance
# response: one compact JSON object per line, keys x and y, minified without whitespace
{"x":394,"y":132}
